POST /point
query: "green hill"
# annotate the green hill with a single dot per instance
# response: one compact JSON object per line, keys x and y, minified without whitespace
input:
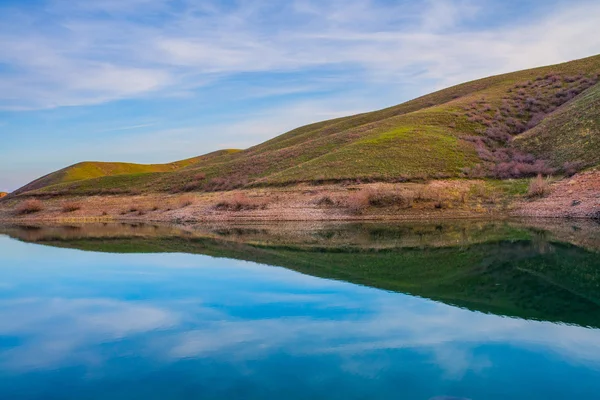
{"x":105,"y":173}
{"x":464,"y":131}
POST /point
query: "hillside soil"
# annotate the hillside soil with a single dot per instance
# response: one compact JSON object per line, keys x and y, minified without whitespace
{"x":577,"y":197}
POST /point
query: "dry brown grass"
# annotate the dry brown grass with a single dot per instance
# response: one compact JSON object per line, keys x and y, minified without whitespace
{"x":384,"y":196}
{"x":70,"y":206}
{"x":538,"y":187}
{"x":240,"y":202}
{"x":381,"y":196}
{"x":29,"y":207}
{"x":357,"y":202}
{"x":185,"y":200}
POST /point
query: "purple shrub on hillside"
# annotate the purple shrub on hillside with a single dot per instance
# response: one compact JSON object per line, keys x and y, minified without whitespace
{"x":523,"y":158}
{"x":514,"y":169}
{"x":478,"y":171}
{"x":571,"y":79}
{"x":536,"y":119}
{"x":523,"y":107}
{"x":571,"y":168}
{"x":498,"y":134}
{"x":485,"y":154}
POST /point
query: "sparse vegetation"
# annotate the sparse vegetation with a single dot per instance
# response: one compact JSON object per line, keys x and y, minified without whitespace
{"x":326,"y":201}
{"x":185,"y":200}
{"x":30,"y":206}
{"x":538,"y":187}
{"x":70,"y":206}
{"x":358,"y":201}
{"x":240,"y":202}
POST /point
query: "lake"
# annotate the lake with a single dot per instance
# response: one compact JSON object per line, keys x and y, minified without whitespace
{"x":445,"y":311}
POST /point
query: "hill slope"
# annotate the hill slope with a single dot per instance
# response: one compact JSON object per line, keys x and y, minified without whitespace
{"x":107,"y":172}
{"x":569,"y":135}
{"x":465,"y":130}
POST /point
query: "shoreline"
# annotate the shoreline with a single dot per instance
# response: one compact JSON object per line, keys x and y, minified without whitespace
{"x":577,"y":197}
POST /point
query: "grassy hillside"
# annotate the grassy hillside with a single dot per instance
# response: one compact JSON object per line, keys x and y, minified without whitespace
{"x":465,"y":130}
{"x":569,"y":135}
{"x":108,"y":175}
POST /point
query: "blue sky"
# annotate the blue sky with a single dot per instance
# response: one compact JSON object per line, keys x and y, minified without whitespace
{"x":159,"y":80}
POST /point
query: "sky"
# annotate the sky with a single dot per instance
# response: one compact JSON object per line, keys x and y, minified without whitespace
{"x":153,"y":81}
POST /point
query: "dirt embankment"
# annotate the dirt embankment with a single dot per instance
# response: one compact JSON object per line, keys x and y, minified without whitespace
{"x":577,"y":197}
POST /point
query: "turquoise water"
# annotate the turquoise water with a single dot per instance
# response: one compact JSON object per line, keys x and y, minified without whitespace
{"x":153,"y":324}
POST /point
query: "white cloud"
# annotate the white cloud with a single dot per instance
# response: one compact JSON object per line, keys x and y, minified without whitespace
{"x":94,"y":52}
{"x":58,"y":331}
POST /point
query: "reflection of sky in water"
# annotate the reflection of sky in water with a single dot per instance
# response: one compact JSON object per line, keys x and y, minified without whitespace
{"x":78,"y":324}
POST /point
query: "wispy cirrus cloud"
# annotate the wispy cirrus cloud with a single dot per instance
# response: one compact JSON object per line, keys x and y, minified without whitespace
{"x":96,"y":52}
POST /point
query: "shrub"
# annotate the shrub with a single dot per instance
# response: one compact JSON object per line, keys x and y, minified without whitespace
{"x":239,"y":202}
{"x":30,"y":207}
{"x":358,"y":201}
{"x":70,"y":206}
{"x":381,"y":197}
{"x":326,"y":201}
{"x":538,"y":187}
{"x":191,"y":186}
{"x":571,"y":168}
{"x":185,"y":200}
{"x":536,"y":119}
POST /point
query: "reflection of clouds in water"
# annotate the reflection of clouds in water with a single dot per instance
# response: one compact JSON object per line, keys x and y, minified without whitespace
{"x":241,"y":311}
{"x":457,"y":359}
{"x":449,"y":334}
{"x":56,"y":331}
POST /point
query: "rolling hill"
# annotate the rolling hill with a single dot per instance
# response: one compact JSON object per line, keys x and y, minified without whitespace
{"x":543,"y":120}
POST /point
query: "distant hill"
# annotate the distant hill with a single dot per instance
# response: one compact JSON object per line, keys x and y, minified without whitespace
{"x":106,"y":172}
{"x":3,"y":194}
{"x":542,"y":120}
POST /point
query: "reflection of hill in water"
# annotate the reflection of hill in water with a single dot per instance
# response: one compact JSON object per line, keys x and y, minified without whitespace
{"x":501,"y":268}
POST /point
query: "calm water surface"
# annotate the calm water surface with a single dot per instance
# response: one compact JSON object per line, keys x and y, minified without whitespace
{"x":470,"y":311}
